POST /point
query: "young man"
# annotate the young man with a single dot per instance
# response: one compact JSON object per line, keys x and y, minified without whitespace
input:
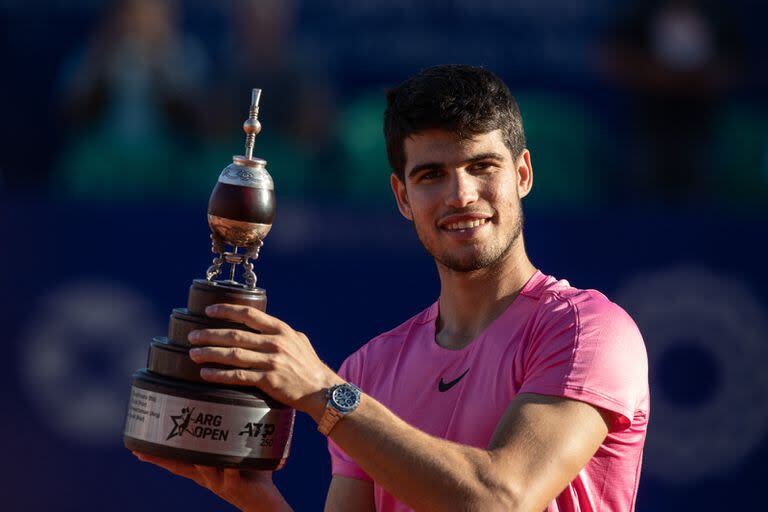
{"x":514,"y":391}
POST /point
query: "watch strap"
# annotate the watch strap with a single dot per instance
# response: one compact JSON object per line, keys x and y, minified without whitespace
{"x":330,"y":417}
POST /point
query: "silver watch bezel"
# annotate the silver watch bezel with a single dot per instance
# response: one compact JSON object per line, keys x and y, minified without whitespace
{"x":347,"y":387}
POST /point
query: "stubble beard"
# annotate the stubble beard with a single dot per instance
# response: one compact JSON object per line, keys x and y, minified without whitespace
{"x":485,"y":258}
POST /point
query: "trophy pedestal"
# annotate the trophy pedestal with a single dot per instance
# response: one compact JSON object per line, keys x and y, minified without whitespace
{"x":174,"y":413}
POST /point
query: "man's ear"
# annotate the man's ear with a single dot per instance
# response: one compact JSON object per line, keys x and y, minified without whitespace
{"x":401,"y":196}
{"x":524,"y":174}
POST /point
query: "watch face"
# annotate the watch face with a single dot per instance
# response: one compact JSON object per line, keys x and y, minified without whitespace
{"x":345,"y":397}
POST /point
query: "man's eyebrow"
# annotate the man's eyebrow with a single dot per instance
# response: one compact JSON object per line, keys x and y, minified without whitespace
{"x":484,"y":156}
{"x":439,"y":165}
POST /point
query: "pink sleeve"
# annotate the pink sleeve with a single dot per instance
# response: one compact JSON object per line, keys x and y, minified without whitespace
{"x":588,"y":349}
{"x":341,"y":463}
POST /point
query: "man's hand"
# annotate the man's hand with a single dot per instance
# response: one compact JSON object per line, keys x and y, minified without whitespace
{"x":280,"y":361}
{"x":248,"y":490}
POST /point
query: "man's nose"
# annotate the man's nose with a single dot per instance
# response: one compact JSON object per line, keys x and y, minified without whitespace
{"x":463,"y":190}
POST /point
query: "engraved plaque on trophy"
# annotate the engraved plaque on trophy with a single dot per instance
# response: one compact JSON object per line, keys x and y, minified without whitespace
{"x":173,"y":412}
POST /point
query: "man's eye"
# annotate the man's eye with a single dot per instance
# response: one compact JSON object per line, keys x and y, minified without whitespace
{"x":480,"y":166}
{"x":430,"y":175}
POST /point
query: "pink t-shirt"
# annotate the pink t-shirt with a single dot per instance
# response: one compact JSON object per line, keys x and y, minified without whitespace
{"x":553,"y":340}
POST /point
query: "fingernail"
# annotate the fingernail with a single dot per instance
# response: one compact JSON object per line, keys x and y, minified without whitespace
{"x":206,"y":372}
{"x":194,"y":352}
{"x":193,"y":336}
{"x":212,"y":310}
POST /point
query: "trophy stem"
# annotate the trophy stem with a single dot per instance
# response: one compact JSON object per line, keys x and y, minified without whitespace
{"x":234,"y":258}
{"x":232,"y":268}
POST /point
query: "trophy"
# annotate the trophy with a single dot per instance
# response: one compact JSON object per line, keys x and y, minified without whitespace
{"x":173,"y":412}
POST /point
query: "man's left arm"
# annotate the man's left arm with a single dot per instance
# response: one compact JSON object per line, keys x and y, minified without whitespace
{"x":539,"y":445}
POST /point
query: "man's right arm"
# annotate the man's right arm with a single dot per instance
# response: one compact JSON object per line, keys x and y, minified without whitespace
{"x":349,"y":494}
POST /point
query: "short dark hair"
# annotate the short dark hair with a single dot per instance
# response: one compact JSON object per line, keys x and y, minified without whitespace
{"x":466,"y":100}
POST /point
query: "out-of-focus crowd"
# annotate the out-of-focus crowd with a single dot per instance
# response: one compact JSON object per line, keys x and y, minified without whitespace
{"x":146,"y":109}
{"x":149,"y":110}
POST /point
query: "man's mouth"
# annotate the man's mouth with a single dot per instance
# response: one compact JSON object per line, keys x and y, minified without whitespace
{"x":464,"y":221}
{"x":464,"y":224}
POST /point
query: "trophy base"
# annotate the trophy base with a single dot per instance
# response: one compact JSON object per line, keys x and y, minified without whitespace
{"x":207,"y":425}
{"x":201,"y":459}
{"x":174,"y":413}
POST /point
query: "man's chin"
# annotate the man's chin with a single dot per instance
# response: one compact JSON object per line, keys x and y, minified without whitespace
{"x":473,"y":258}
{"x":465,"y":264}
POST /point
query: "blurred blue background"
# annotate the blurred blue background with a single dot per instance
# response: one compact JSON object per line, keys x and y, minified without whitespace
{"x":648,"y":126}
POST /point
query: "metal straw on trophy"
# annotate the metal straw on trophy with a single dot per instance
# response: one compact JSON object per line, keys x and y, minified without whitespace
{"x":173,"y":412}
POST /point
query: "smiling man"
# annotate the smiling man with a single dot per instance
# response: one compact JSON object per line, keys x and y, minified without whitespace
{"x":513,"y":391}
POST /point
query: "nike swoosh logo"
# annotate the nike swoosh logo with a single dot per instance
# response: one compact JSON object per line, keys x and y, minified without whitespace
{"x":445,"y":386}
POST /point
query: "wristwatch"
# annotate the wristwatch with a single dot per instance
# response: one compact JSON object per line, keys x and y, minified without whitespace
{"x":342,"y":400}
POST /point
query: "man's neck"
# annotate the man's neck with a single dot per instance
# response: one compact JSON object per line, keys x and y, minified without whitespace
{"x":470,"y":301}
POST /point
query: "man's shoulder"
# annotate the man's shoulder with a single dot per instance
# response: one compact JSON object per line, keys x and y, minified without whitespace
{"x":560,"y":308}
{"x":584,"y":346}
{"x":557,"y":299}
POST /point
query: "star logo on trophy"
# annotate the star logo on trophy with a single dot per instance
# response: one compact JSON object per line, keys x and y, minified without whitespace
{"x":181,"y":423}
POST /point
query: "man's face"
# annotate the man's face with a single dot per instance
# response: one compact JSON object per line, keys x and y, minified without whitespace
{"x":463,"y":196}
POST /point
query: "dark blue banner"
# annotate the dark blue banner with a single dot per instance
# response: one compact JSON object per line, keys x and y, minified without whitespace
{"x":86,"y":287}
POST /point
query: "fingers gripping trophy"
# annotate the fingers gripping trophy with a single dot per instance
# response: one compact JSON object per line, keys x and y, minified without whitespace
{"x":173,"y":413}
